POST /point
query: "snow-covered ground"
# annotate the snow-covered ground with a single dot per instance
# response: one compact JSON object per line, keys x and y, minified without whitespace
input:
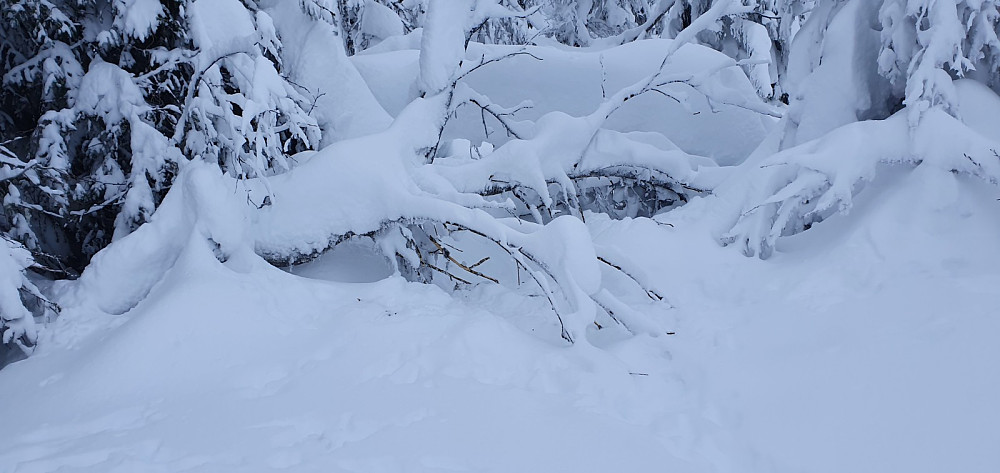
{"x":867,"y":344}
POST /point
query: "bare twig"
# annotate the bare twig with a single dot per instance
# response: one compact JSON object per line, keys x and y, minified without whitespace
{"x":500,"y":115}
{"x":447,"y":254}
{"x":649,"y":292}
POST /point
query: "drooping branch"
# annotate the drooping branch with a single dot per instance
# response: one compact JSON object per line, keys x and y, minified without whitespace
{"x":521,"y":258}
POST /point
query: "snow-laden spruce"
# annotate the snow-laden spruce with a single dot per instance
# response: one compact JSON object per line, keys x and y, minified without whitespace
{"x":103,"y":112}
{"x":104,"y":101}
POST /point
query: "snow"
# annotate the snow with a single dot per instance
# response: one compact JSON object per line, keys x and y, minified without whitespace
{"x":380,"y":21}
{"x":121,"y":276}
{"x":17,"y":321}
{"x":422,"y":390}
{"x":354,"y":262}
{"x":827,"y":94}
{"x":290,"y":320}
{"x":865,"y":346}
{"x":314,"y":57}
{"x":107,"y":91}
{"x":442,"y":44}
{"x":208,"y":34}
{"x":979,"y":108}
{"x":139,"y":16}
{"x":571,"y":82}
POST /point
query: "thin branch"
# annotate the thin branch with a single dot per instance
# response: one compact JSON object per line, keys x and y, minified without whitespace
{"x":519,"y":260}
{"x":649,"y":292}
{"x":484,"y":61}
{"x":447,"y":254}
{"x":501,"y":117}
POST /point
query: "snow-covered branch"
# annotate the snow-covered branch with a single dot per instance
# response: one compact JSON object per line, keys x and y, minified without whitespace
{"x":804,"y":185}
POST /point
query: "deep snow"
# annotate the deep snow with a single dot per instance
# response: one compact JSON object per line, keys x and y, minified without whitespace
{"x":866,"y":344}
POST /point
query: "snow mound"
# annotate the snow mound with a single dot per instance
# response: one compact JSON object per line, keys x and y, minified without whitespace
{"x":320,"y":375}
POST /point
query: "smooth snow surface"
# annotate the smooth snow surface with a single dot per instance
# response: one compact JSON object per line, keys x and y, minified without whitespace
{"x":978,"y":107}
{"x":553,"y":79}
{"x":867,"y":344}
{"x":347,"y":262}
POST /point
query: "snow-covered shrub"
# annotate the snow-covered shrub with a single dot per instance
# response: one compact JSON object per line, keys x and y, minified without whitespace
{"x":436,"y":214}
{"x":581,"y":23}
{"x":40,"y":75}
{"x":564,"y":165}
{"x":121,"y":111}
{"x":444,"y":216}
{"x":805,"y":184}
{"x":860,"y":98}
